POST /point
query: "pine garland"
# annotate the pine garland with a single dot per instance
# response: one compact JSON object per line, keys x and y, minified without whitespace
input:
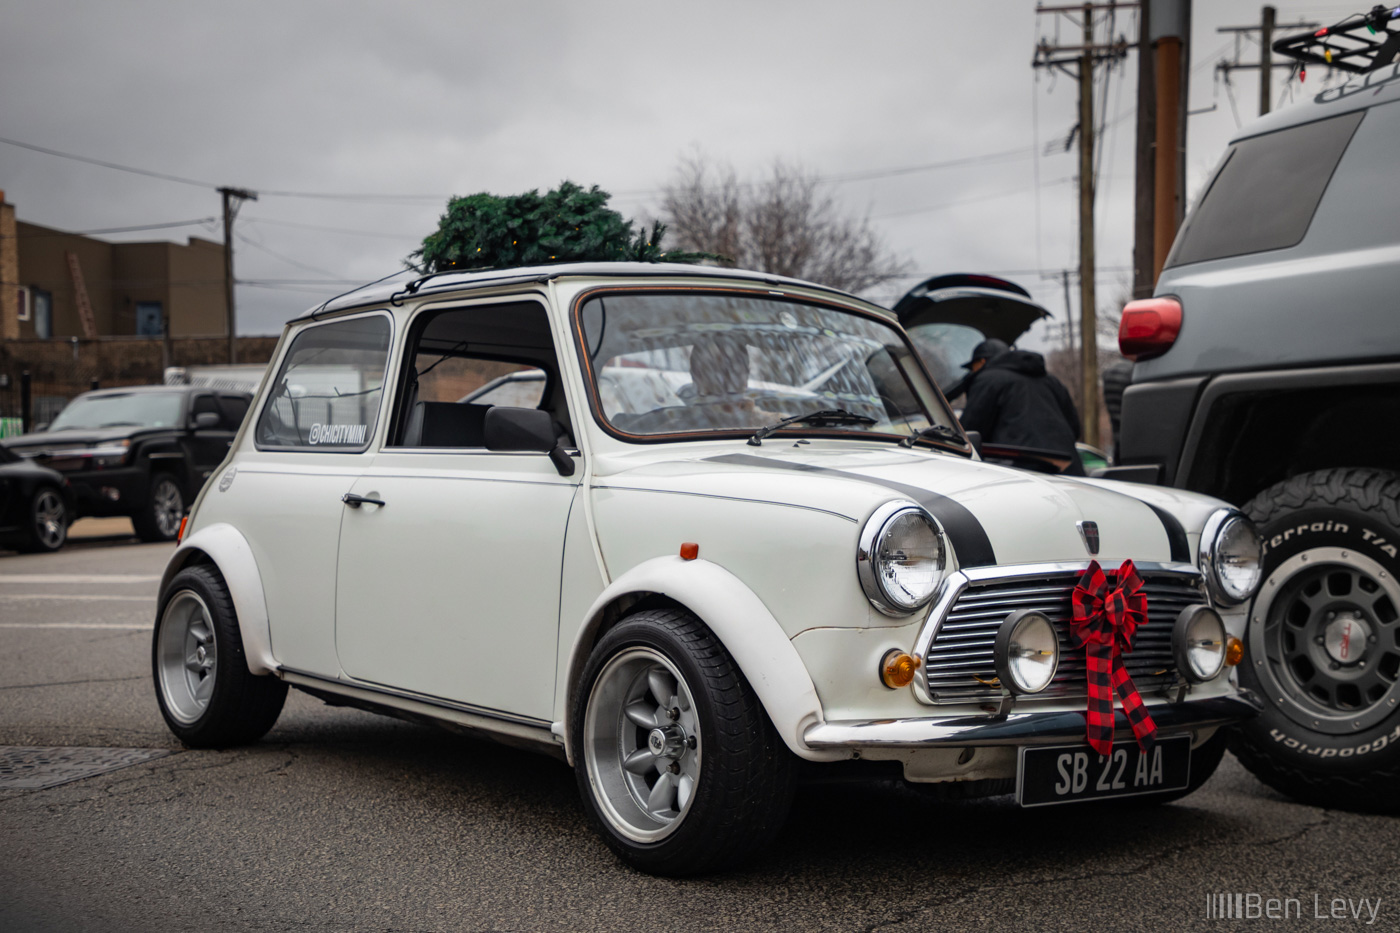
{"x":568,"y":224}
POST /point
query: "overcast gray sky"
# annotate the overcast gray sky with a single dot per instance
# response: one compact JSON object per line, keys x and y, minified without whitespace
{"x":424,"y":100}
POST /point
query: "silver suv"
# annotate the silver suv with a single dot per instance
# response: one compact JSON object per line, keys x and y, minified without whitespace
{"x":1268,"y":373}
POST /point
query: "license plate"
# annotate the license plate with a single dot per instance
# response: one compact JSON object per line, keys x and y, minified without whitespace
{"x":1071,"y":773}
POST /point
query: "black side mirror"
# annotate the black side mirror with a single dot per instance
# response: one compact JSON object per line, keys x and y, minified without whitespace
{"x":206,"y":419}
{"x":975,"y":439}
{"x":531,"y":429}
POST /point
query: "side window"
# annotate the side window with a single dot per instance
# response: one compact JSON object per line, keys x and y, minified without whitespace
{"x":235,"y":409}
{"x":204,"y":403}
{"x":327,"y":392}
{"x":1266,"y":191}
{"x":462,"y":362}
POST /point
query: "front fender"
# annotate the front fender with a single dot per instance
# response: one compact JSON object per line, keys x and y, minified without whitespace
{"x":229,"y":551}
{"x":740,"y":621}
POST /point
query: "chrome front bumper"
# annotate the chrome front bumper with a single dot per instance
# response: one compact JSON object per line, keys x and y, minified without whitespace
{"x":1024,"y":728}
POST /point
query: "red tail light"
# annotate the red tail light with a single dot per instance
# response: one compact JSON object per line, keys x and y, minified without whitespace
{"x":1149,"y":327}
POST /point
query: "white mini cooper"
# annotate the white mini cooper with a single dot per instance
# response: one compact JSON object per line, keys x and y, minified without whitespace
{"x":685,"y":527}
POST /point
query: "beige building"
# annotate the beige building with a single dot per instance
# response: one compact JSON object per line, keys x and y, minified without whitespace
{"x":132,"y":288}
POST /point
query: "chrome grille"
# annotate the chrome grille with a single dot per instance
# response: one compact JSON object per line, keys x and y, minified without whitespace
{"x":959,"y":666}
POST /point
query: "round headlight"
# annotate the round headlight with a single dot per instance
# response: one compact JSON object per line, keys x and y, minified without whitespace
{"x":1026,"y":652}
{"x":1234,"y":556}
{"x":1199,"y":643}
{"x":900,"y":559}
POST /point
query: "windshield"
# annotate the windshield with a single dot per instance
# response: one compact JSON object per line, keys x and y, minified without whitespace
{"x":143,"y":410}
{"x":682,"y":362}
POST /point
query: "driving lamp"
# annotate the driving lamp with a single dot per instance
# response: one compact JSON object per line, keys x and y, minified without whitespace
{"x":1199,"y":642}
{"x":900,"y":558}
{"x":1026,"y":652}
{"x":1231,"y":555}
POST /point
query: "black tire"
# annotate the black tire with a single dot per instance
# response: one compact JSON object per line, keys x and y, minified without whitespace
{"x":164,"y":499}
{"x":742,"y":774}
{"x":1329,"y":733}
{"x":47,"y":522}
{"x":237,"y":707}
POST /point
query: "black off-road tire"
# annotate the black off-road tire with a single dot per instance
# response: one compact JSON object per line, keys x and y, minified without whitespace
{"x":1329,"y":536}
{"x":241,"y":707}
{"x":46,"y":530}
{"x":746,"y":774}
{"x":152,"y":523}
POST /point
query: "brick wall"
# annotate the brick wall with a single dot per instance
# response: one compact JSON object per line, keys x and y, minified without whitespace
{"x":61,"y":368}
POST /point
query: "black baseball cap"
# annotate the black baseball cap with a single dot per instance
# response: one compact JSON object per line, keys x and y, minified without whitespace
{"x":989,"y":349}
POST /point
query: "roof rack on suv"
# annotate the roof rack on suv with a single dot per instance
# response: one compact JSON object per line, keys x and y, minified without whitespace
{"x":1349,"y":45}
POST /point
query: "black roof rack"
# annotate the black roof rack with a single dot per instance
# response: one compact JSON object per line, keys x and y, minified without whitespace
{"x":1358,"y":44}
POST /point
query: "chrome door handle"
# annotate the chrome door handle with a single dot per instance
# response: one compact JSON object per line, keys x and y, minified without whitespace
{"x":355,"y":501}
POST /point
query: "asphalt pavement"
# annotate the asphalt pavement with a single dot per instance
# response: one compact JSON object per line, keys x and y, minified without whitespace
{"x":341,"y":820}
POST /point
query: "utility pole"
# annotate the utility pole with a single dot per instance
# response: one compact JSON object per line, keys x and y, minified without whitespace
{"x":1079,"y":62}
{"x":233,"y":198}
{"x":1268,"y":25}
{"x":1144,"y":168}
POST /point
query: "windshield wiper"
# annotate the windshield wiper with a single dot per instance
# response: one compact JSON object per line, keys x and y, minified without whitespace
{"x":816,"y":418}
{"x":121,"y":424}
{"x":940,"y":431}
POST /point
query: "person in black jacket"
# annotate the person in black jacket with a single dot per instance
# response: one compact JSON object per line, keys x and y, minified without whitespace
{"x":1012,"y":400}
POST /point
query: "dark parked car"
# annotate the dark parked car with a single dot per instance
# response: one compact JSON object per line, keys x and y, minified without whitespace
{"x":142,"y":451}
{"x":36,"y":505}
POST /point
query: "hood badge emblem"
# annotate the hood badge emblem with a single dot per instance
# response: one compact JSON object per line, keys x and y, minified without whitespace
{"x":1089,"y":531}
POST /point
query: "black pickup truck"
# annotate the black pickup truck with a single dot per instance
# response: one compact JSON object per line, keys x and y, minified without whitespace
{"x":141,"y":451}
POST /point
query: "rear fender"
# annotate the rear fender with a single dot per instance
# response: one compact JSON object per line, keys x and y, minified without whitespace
{"x":228,"y":550}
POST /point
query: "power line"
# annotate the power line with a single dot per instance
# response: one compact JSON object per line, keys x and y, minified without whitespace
{"x":278,"y":256}
{"x":201,"y":221}
{"x":329,"y":229}
{"x":121,"y":168}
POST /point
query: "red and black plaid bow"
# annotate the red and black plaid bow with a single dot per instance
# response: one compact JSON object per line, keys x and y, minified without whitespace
{"x":1107,"y":611}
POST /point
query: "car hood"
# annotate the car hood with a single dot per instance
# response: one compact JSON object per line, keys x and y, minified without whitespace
{"x":993,"y":515}
{"x":76,"y":437}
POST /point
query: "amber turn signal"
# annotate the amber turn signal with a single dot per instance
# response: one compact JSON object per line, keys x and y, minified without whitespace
{"x":1234,"y":651}
{"x":180,"y":535}
{"x":690,"y":550}
{"x":897,"y":669}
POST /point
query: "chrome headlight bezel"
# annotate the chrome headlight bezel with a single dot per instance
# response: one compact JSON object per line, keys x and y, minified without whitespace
{"x":873,"y":580}
{"x":1183,"y":645}
{"x":1220,"y":522}
{"x":1007,"y":650}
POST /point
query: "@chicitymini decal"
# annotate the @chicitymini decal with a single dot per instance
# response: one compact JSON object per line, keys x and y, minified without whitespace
{"x":338,"y":433}
{"x":227,"y":479}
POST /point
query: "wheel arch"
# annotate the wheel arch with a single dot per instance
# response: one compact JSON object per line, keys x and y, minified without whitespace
{"x":222,"y":546}
{"x":736,"y":616}
{"x":1252,"y":430}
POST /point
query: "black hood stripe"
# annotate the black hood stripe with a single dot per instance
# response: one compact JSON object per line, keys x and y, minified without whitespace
{"x":966,"y":533}
{"x":1176,"y":535}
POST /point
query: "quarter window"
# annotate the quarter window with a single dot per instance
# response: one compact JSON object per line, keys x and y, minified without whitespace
{"x":327,"y":392}
{"x":1265,"y":192}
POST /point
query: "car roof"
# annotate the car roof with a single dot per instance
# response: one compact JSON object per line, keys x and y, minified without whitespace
{"x":395,"y":292}
{"x":1357,"y":93}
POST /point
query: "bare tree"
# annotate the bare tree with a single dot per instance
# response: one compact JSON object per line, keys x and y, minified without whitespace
{"x":782,"y":223}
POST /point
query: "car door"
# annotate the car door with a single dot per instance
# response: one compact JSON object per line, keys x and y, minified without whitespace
{"x":313,"y":435}
{"x":450,"y":587}
{"x":207,"y":445}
